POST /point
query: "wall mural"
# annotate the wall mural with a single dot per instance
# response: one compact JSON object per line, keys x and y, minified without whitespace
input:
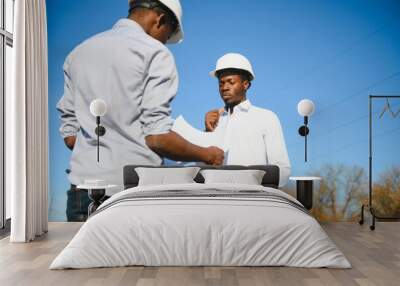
{"x":334,"y":54}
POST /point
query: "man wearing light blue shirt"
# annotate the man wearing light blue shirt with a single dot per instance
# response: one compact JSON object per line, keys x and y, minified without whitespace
{"x":251,"y":135}
{"x":129,"y":68}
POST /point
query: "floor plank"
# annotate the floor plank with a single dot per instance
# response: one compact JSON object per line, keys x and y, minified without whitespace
{"x":374,"y":255}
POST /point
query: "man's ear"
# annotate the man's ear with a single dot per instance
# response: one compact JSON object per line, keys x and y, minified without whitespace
{"x":246,"y":84}
{"x":161,"y":20}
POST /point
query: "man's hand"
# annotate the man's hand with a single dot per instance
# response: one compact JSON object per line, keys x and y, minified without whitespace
{"x":211,"y":119}
{"x":70,"y":141}
{"x":215,"y":156}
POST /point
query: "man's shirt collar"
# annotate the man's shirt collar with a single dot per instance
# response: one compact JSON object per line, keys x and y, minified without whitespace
{"x":125,"y":22}
{"x":243,"y":106}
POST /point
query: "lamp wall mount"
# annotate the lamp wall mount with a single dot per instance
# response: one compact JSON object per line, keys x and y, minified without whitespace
{"x":304,"y":130}
{"x":100,"y":130}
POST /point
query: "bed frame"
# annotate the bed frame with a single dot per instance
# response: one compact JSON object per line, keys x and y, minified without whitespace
{"x":270,"y":179}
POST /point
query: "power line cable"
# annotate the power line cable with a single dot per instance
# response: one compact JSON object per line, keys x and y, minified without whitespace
{"x":358,"y":93}
{"x":332,"y":58}
{"x":341,"y":126}
{"x":346,"y":124}
{"x":347,"y":146}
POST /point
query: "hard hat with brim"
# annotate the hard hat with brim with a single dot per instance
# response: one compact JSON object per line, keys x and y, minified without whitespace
{"x":233,"y":61}
{"x":175,"y":8}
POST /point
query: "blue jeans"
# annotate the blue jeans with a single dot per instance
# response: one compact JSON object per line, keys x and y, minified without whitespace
{"x":77,"y":204}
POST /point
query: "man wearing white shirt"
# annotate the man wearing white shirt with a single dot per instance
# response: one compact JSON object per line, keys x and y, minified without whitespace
{"x":252,"y":135}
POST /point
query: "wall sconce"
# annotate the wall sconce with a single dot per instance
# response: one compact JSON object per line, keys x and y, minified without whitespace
{"x":305,"y":108}
{"x":98,"y":108}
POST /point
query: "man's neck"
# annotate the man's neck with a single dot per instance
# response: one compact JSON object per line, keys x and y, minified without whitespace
{"x":141,"y":22}
{"x":229,"y":108}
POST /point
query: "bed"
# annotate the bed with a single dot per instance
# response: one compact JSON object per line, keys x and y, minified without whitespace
{"x":201,"y":224}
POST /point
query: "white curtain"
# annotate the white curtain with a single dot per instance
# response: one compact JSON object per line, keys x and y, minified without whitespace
{"x":27,"y":124}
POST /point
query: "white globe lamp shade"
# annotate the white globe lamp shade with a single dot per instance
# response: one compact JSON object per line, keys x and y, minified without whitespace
{"x":305,"y":107}
{"x":98,"y":107}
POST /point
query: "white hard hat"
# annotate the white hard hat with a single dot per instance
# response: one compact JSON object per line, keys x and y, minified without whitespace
{"x":233,"y":61}
{"x":176,"y":9}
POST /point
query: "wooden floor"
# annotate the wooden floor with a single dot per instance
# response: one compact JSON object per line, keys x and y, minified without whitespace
{"x":375,"y":257}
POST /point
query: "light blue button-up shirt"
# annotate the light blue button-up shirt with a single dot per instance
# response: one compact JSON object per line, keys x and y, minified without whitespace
{"x":136,"y":76}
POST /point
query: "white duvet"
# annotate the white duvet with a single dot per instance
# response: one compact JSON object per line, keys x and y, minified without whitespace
{"x":203,"y":231}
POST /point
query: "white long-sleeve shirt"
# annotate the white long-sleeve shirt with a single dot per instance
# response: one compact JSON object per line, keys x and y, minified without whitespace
{"x":253,"y":136}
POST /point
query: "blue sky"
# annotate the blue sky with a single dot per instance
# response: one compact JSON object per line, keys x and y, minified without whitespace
{"x":335,"y":53}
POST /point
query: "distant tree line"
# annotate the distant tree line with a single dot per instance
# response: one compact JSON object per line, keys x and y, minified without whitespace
{"x":344,"y":189}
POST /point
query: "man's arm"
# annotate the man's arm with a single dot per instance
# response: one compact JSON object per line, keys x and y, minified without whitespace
{"x":156,"y":121}
{"x":276,"y":149}
{"x":69,"y":124}
{"x":175,"y":147}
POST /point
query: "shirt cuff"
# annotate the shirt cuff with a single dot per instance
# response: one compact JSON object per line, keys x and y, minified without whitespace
{"x":158,"y":127}
{"x":68,"y":132}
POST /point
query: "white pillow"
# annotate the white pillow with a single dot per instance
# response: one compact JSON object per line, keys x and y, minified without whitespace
{"x":166,"y":176}
{"x":248,"y":177}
